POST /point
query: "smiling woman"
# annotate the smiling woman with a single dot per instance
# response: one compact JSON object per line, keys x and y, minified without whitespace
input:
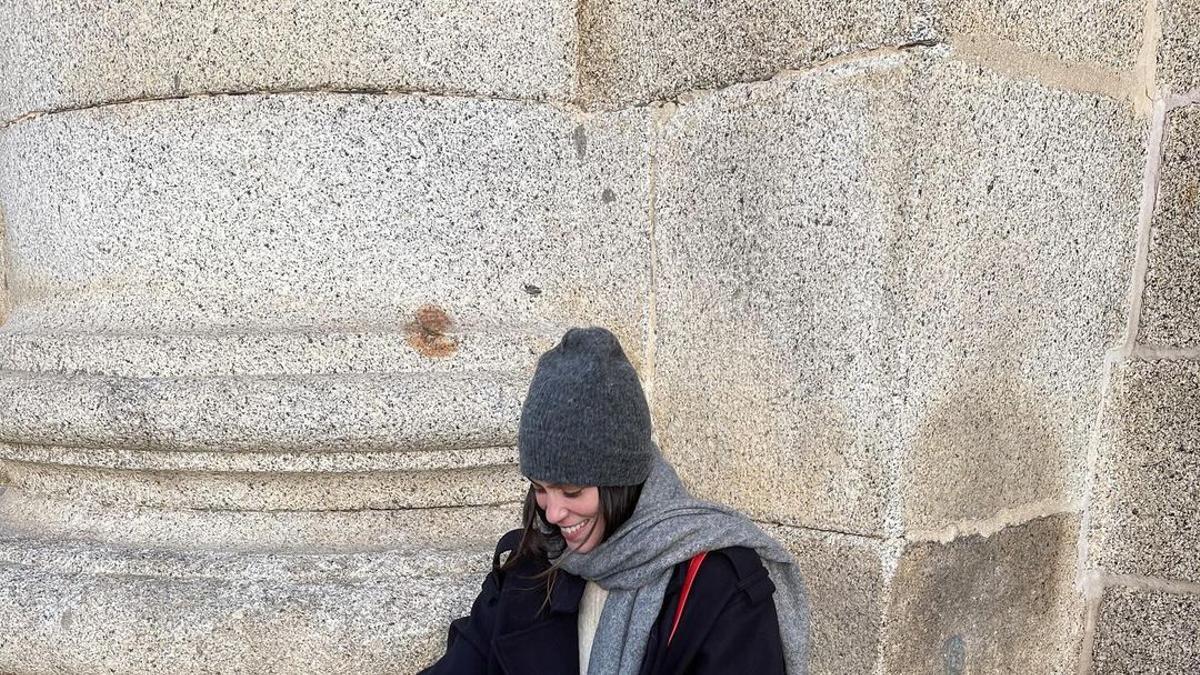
{"x":617,"y":570}
{"x":571,"y":509}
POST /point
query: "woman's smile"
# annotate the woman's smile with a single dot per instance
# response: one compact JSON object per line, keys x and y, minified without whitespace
{"x":574,"y":531}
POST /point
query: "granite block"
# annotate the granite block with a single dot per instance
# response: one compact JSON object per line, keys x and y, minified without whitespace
{"x":637,"y":51}
{"x":844,"y":577}
{"x":328,"y":212}
{"x":1171,"y":299}
{"x":57,"y":54}
{"x":1009,"y":274}
{"x":310,"y":491}
{"x":1179,"y":46}
{"x":75,"y":607}
{"x":1145,"y":508}
{"x":1145,"y":631}
{"x":889,"y":276}
{"x":771,"y":332}
{"x":1000,"y":604}
{"x":1107,"y":33}
{"x":295,"y":413}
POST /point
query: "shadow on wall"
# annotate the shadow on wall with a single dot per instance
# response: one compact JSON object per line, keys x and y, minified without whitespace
{"x":986,"y":446}
{"x":999,"y":604}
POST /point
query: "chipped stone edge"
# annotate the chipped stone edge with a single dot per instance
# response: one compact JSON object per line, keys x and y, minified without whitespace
{"x":1003,"y":519}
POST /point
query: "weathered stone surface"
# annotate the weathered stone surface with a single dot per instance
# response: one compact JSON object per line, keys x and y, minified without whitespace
{"x":1010,"y":270}
{"x":999,"y":604}
{"x":1107,"y":33}
{"x":329,"y":212}
{"x":890,"y":275}
{"x":58,"y":54}
{"x":638,"y":51}
{"x":1142,"y":631}
{"x":1146,"y":503}
{"x":409,"y":411}
{"x":74,"y":607}
{"x":1171,"y":300}
{"x":767,"y":223}
{"x":1179,"y":46}
{"x":844,"y":576}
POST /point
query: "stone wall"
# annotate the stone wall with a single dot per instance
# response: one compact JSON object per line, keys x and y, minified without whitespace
{"x":912,"y":284}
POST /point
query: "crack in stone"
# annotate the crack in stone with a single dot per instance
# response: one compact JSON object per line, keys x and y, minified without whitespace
{"x":572,"y":104}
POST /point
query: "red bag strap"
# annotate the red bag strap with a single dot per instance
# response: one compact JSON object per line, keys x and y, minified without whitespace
{"x":693,"y":567}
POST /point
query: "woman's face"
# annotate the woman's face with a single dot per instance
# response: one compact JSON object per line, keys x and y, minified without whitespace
{"x":575,"y":510}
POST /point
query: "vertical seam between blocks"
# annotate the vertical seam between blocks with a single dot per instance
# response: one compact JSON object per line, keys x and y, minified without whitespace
{"x":1150,"y":182}
{"x":1146,"y":67}
{"x":1088,"y":641}
{"x":652,"y":304}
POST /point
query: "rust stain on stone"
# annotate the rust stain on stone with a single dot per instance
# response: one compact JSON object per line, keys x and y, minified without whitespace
{"x":427,"y":333}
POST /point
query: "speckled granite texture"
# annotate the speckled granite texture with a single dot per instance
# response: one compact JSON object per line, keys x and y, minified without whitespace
{"x":274,"y":277}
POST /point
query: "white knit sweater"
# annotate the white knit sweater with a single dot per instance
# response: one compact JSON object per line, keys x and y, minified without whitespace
{"x":590,"y":606}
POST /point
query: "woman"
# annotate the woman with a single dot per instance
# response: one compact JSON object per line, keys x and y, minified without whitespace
{"x":612,"y":546}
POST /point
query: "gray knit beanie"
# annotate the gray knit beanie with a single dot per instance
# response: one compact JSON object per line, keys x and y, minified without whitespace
{"x":585,"y":420}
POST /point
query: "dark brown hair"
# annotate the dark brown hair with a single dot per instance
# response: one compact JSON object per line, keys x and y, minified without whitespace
{"x":542,"y":540}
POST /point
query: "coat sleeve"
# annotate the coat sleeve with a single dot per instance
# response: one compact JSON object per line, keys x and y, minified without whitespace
{"x":744,"y":636}
{"x":468,"y":646}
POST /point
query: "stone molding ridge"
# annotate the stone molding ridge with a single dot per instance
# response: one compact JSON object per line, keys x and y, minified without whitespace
{"x":1003,"y":519}
{"x":450,"y":456}
{"x":410,"y":411}
{"x":1150,"y":181}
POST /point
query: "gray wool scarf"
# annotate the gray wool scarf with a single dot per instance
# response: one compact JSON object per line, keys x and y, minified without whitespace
{"x":635,"y":564}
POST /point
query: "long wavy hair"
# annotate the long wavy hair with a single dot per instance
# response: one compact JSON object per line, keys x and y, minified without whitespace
{"x":542,"y":541}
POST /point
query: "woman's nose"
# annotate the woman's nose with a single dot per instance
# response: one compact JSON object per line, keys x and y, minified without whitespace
{"x":555,"y":512}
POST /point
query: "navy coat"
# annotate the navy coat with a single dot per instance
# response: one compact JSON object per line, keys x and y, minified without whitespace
{"x":729,"y":623}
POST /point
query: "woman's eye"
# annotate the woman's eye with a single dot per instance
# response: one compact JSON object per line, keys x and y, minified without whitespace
{"x":572,"y":495}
